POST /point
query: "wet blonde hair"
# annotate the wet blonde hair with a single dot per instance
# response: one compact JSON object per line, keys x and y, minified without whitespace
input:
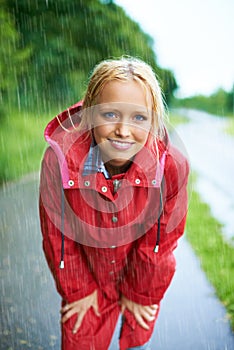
{"x":125,"y":69}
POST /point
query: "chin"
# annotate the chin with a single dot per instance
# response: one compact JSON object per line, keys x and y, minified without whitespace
{"x":119,"y":162}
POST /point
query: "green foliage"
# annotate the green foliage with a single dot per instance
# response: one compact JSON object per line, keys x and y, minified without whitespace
{"x":21,"y":143}
{"x":216,"y":255}
{"x":47,"y":51}
{"x":168,"y":83}
{"x":66,"y":38}
{"x":12,"y":58}
{"x":219,"y":103}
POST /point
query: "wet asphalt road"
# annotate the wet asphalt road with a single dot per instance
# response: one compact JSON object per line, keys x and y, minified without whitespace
{"x":191,"y":316}
{"x":210,"y":151}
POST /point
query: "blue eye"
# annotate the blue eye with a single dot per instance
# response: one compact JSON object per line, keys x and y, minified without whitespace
{"x":109,"y":115}
{"x":140,"y":118}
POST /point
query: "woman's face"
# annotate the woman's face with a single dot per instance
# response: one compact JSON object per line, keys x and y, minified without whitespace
{"x":122,"y":120}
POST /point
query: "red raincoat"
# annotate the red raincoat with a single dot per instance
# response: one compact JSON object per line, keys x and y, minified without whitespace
{"x":108,"y":240}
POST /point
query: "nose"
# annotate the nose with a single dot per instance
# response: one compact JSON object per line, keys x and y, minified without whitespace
{"x":122,"y":130}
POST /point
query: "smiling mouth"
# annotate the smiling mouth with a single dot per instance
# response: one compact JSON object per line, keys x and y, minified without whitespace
{"x":121,"y":145}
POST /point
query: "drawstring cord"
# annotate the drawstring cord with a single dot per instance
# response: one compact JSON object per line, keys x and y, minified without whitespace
{"x":156,"y":248}
{"x":61,"y":265}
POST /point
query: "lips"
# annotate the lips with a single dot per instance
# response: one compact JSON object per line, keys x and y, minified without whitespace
{"x":121,"y":145}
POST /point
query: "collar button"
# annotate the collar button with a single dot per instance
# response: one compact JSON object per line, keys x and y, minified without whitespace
{"x":114,"y":219}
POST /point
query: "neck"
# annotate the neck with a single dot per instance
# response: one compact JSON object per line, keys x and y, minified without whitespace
{"x":115,"y":170}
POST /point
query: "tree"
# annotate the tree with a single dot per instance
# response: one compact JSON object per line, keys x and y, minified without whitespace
{"x":67,"y":38}
{"x":12,"y":58}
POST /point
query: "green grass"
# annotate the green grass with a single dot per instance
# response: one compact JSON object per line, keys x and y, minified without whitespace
{"x":176,"y":119}
{"x":215,"y":254}
{"x":22,"y":144}
{"x":230,"y":126}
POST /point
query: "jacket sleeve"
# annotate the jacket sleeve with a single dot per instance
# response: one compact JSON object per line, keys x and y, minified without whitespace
{"x":75,"y":280}
{"x":149,"y":274}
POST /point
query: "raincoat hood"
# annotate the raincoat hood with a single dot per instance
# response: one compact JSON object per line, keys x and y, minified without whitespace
{"x":71,"y":148}
{"x":147,"y":170}
{"x":140,"y":199}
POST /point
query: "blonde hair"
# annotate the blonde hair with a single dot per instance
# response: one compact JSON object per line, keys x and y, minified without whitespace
{"x":125,"y":69}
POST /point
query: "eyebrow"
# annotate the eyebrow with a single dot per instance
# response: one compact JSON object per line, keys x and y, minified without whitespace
{"x":115,"y":106}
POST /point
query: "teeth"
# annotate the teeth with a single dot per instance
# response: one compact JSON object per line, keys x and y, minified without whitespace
{"x":121,"y":144}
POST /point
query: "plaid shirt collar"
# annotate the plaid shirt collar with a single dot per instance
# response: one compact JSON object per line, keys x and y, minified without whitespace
{"x":94,"y":163}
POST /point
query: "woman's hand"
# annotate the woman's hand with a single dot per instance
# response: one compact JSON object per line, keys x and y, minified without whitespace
{"x":141,"y":313}
{"x":80,"y":307}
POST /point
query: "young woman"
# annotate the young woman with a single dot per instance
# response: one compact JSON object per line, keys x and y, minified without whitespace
{"x":113,"y":203}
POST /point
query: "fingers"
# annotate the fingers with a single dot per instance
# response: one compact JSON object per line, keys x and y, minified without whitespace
{"x":67,"y":311}
{"x":78,"y":322}
{"x":79,"y":308}
{"x":141,"y":321}
{"x":66,"y":308}
{"x":151,"y":310}
{"x":141,"y":313}
{"x":147,"y":316}
{"x":95,"y":309}
{"x":146,"y":313}
{"x":67,"y":315}
{"x":154,"y":307}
